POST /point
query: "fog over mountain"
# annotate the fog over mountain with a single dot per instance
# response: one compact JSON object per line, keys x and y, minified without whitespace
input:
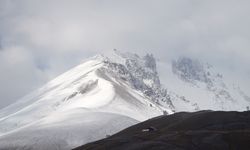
{"x":106,"y":94}
{"x":39,"y":39}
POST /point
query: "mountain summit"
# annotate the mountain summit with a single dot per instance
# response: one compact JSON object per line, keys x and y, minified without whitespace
{"x":206,"y":87}
{"x":95,"y":99}
{"x":104,"y":95}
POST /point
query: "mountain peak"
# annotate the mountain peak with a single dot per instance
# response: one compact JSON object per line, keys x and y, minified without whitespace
{"x":107,"y":94}
{"x":141,"y":73}
{"x":189,"y":69}
{"x":148,"y":61}
{"x":203,"y":77}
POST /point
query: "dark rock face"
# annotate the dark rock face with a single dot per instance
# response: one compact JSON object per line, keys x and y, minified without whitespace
{"x":190,"y":70}
{"x":205,"y":130}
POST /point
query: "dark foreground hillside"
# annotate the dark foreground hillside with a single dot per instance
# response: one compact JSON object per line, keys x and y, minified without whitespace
{"x":205,"y":130}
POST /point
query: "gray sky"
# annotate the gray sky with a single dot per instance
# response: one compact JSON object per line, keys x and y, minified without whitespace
{"x":40,"y":39}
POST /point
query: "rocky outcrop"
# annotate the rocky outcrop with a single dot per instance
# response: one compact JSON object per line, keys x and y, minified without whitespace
{"x":141,"y":73}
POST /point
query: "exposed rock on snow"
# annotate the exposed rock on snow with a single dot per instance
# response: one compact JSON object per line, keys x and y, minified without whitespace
{"x":95,"y":99}
{"x":104,"y":95}
{"x":208,"y":87}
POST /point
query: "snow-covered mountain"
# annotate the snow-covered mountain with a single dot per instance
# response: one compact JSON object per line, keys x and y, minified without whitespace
{"x":99,"y":97}
{"x":106,"y":94}
{"x":200,"y":85}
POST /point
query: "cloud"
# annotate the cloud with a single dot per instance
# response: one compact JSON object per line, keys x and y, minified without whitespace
{"x":41,"y":38}
{"x":19,"y":75}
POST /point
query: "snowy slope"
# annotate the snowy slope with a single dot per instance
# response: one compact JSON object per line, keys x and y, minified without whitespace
{"x":65,"y":130}
{"x":200,"y":85}
{"x":106,"y":94}
{"x":86,"y":103}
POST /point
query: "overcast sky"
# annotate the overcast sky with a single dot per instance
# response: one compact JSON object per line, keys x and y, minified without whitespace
{"x":40,"y":39}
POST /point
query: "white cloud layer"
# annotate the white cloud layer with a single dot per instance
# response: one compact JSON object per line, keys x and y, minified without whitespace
{"x":42,"y":38}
